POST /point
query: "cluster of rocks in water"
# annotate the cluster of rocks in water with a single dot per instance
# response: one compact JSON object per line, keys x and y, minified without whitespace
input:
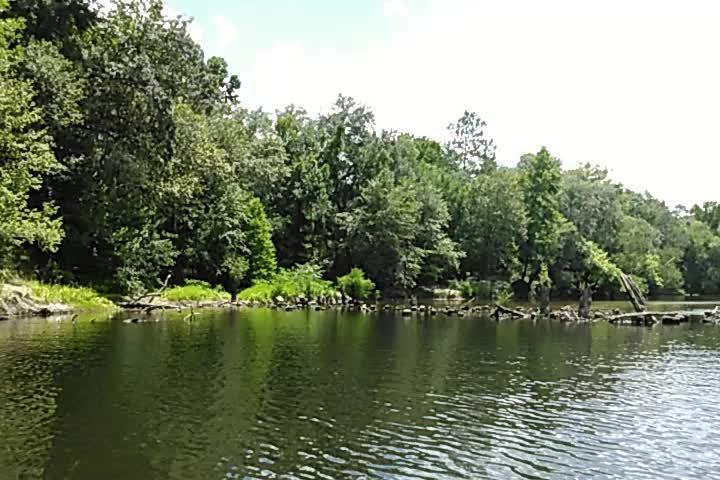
{"x":494,"y":311}
{"x":565,"y":314}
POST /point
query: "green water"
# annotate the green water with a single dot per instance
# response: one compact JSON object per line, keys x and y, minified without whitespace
{"x":261,"y":394}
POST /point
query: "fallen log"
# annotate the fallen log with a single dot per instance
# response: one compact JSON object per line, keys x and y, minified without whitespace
{"x":500,"y":310}
{"x":633,"y":292}
{"x":145,"y":296}
{"x":149,"y":306}
{"x":643,"y":316}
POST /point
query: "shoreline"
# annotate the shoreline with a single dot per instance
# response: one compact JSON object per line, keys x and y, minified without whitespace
{"x":22,"y":300}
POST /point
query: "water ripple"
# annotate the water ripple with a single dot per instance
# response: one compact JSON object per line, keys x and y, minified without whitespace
{"x":274,"y":395}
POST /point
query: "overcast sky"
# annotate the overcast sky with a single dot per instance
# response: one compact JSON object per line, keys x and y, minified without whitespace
{"x":632,"y":85}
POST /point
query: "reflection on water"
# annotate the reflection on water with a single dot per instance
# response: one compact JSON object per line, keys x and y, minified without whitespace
{"x":261,"y":394}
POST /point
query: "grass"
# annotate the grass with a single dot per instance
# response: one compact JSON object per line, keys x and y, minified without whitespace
{"x":80,"y":298}
{"x":195,"y":291}
{"x":302,"y":281}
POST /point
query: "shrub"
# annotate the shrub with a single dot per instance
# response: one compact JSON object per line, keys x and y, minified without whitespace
{"x":498,"y":291}
{"x":355,"y":285}
{"x":302,"y":281}
{"x":194,"y":291}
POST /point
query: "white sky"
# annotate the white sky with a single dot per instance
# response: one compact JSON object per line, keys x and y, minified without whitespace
{"x":632,"y":85}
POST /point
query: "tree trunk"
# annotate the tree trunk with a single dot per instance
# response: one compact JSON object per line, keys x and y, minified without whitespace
{"x":585,"y":306}
{"x":636,"y":298}
{"x":544,"y":298}
{"x":633,"y":292}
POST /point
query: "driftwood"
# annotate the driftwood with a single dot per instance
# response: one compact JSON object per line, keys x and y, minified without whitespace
{"x":500,"y":310}
{"x":637,"y":299}
{"x":633,"y":292}
{"x":712,"y":316}
{"x":142,"y":298}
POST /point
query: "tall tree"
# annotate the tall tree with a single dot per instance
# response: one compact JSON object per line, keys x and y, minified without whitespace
{"x":545,"y":223}
{"x":493,"y":225}
{"x":25,"y":156}
{"x":471,"y":148}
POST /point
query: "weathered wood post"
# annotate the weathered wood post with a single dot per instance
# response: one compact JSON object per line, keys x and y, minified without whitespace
{"x":585,"y":306}
{"x":544,"y":298}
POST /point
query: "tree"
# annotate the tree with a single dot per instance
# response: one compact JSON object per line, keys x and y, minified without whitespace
{"x":592,"y":203}
{"x":263,"y":263}
{"x":25,"y":157}
{"x":137,"y":67}
{"x":493,"y":225}
{"x":59,"y":22}
{"x":701,"y":259}
{"x":638,"y":245}
{"x":382,"y":230}
{"x":472,"y":150}
{"x":355,"y":285}
{"x":545,"y":223}
{"x":709,"y":214}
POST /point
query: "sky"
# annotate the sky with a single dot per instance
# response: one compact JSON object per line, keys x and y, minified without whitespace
{"x":631,"y":85}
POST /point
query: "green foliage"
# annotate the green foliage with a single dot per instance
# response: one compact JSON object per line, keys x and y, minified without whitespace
{"x":195,"y":291}
{"x":491,"y":224}
{"x":599,"y":269}
{"x":545,"y":223}
{"x":592,"y":204}
{"x":259,"y":243}
{"x":709,"y":214}
{"x":641,"y":254}
{"x":701,"y":259}
{"x":472,"y":288}
{"x":355,"y":285}
{"x":25,"y":157}
{"x":125,"y":157}
{"x":472,"y":150}
{"x":303,"y":281}
{"x":77,"y":297}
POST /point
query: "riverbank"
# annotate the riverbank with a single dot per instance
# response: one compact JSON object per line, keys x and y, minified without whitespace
{"x":32,"y":298}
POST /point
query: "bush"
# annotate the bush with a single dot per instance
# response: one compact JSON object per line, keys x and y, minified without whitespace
{"x":498,"y":291}
{"x":302,"y":281}
{"x":195,"y":291}
{"x":355,"y":285}
{"x":81,"y":298}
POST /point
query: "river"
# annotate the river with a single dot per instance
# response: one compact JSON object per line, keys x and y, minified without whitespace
{"x":306,"y":395}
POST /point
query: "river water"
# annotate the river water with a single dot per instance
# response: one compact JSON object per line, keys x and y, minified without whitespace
{"x":306,"y":395}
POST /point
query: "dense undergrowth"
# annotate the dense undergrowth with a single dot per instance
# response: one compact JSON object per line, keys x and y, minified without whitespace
{"x":304,"y":281}
{"x":195,"y":291}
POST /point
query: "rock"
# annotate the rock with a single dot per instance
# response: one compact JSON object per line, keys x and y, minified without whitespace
{"x":279,"y":299}
{"x":16,"y":300}
{"x":406,"y":312}
{"x":673,"y":319}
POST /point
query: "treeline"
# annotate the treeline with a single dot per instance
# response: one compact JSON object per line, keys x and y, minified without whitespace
{"x":125,"y":156}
